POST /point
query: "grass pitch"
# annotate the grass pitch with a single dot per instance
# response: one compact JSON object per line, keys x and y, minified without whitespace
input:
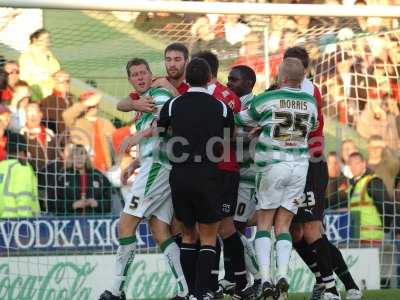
{"x":392,"y":294}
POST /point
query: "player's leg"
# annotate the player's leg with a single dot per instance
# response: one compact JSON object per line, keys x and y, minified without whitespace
{"x":233,"y":247}
{"x":245,"y":217}
{"x":283,"y":246}
{"x":294,"y":176}
{"x":250,"y":257}
{"x":133,"y":213}
{"x":189,"y":254}
{"x":234,"y":253}
{"x":317,"y":180}
{"x":162,"y":235}
{"x":263,"y":247}
{"x":208,"y":214}
{"x":270,"y":195}
{"x":240,"y":220}
{"x":206,"y":257}
{"x":160,"y":225}
{"x":125,"y":255}
{"x":309,"y":211}
{"x":307,"y":254}
{"x":182,"y":199}
{"x":320,"y":246}
{"x":342,"y":271}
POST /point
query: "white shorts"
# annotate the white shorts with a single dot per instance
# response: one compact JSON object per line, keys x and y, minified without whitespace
{"x":246,"y":203}
{"x":282,"y":185}
{"x":151,"y":193}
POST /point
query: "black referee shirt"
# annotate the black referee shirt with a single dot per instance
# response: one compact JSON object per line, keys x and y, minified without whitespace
{"x":196,"y":119}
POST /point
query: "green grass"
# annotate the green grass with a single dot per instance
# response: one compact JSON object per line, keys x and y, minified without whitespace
{"x":392,"y":294}
{"x":98,"y":48}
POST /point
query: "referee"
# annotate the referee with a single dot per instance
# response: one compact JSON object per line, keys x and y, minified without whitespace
{"x":196,"y":120}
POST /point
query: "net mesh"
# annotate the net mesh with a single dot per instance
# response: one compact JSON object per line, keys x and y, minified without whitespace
{"x":354,"y":62}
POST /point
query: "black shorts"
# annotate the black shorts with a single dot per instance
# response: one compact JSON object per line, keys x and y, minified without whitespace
{"x":312,"y":208}
{"x":230,"y":187}
{"x":196,"y":194}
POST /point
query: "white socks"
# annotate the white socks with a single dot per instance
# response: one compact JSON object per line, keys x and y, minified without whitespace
{"x":125,"y":256}
{"x":283,"y":251}
{"x":173,"y":256}
{"x":263,"y":251}
{"x":250,"y":258}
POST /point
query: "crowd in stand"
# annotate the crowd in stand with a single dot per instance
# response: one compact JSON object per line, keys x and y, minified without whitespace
{"x":47,"y":132}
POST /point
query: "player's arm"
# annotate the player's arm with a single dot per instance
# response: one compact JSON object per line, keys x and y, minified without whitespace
{"x":135,"y":139}
{"x":71,"y":114}
{"x":164,"y":119}
{"x":164,"y":83}
{"x":129,"y":170}
{"x":248,"y":117}
{"x":230,"y":121}
{"x":144,"y":104}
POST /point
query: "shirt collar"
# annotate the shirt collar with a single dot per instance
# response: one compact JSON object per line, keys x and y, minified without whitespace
{"x":198,"y":89}
{"x":291,"y":89}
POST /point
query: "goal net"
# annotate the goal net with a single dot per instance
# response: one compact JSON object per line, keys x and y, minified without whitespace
{"x":66,"y":250}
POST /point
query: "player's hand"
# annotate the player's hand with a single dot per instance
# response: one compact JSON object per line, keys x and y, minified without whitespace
{"x":144,"y":104}
{"x":127,"y":173}
{"x":163,"y":82}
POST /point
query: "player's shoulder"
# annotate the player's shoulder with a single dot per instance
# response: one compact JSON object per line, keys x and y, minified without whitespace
{"x":226,"y":95}
{"x":159,"y":91}
{"x":268,"y":96}
{"x":283,"y":93}
{"x":183,"y":88}
{"x":224,"y":91}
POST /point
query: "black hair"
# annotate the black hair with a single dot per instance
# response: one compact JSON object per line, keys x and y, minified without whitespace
{"x":35,"y":35}
{"x":211,"y":59}
{"x":247,"y":73}
{"x":136,"y":62}
{"x":197,"y":72}
{"x":179,"y":47}
{"x":298,"y":52}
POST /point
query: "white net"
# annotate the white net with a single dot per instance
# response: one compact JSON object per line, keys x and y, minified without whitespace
{"x":66,"y":250}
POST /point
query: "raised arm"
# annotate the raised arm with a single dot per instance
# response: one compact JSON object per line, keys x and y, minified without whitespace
{"x":144,"y":104}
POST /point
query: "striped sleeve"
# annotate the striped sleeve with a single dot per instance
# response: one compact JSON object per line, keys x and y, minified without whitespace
{"x":160,"y":97}
{"x":245,"y":118}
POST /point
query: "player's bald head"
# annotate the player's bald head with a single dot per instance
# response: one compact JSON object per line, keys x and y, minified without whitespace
{"x":291,"y":72}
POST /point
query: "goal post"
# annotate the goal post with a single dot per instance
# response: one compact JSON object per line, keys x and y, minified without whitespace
{"x":243,"y":8}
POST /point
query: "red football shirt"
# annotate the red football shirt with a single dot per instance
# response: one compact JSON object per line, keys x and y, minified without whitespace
{"x":182,"y":88}
{"x":225,"y":95}
{"x":316,"y":138}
